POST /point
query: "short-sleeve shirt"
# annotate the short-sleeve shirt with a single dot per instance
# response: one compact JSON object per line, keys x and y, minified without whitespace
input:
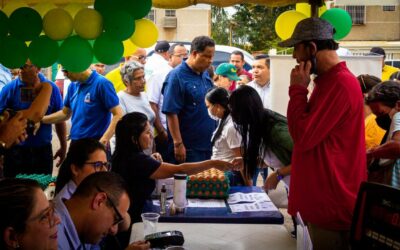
{"x":184,"y":91}
{"x":10,"y":97}
{"x":136,"y":168}
{"x":90,"y":103}
{"x":264,"y":92}
{"x":227,"y":141}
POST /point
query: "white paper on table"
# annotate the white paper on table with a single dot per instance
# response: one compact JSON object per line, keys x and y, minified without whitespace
{"x":263,"y":206}
{"x":206,"y":203}
{"x":247,"y":197}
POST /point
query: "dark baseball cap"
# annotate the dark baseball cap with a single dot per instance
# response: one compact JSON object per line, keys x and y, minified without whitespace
{"x":309,"y":29}
{"x":377,"y":51}
{"x":162,"y":46}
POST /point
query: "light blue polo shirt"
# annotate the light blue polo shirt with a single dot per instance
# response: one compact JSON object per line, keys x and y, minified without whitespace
{"x":184,"y":92}
{"x":10,"y":97}
{"x":90,"y":103}
{"x":67,"y":236}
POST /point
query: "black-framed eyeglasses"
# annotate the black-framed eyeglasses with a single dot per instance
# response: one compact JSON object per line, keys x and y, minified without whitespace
{"x":47,"y":216}
{"x":98,"y":165}
{"x":118,"y":218}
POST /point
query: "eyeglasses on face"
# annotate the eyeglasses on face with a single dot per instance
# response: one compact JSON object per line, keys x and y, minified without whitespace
{"x":47,"y":216}
{"x":98,"y":165}
{"x":118,"y":217}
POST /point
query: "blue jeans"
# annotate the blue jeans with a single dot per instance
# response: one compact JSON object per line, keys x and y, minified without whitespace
{"x":264,"y":174}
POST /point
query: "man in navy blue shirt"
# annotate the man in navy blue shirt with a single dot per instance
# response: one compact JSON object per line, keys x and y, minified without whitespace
{"x":34,"y":155}
{"x":90,"y":101}
{"x":184,"y":90}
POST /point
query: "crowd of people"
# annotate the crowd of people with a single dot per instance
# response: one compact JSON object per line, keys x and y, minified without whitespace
{"x":150,"y":119}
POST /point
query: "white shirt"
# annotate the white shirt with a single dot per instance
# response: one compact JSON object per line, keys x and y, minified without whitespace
{"x":155,"y":63}
{"x":264,"y":92}
{"x":154,"y":86}
{"x":228,"y":140}
{"x":272,"y":161}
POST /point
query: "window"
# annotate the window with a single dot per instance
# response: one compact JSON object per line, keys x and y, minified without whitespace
{"x":389,"y":8}
{"x":170,"y":13}
{"x":151,"y":16}
{"x":357,"y":13}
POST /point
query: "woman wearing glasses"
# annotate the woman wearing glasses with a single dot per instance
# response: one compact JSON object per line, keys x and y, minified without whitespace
{"x":85,"y":156}
{"x":133,"y":98}
{"x":27,"y":219}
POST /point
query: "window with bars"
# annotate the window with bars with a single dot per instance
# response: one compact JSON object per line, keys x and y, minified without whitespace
{"x":389,"y":8}
{"x":171,"y":13}
{"x":357,"y":13}
{"x":151,"y":16}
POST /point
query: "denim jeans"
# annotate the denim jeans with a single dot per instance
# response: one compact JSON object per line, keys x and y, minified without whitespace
{"x":264,"y":174}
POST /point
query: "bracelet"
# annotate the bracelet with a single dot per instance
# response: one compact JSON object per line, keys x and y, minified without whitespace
{"x":178,"y":144}
{"x":279,"y":177}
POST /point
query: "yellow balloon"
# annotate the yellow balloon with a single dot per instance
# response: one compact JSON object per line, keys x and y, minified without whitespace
{"x":129,"y":48}
{"x":13,"y":5}
{"x":74,"y":8}
{"x":305,"y":8}
{"x":146,"y":33}
{"x":88,"y":24}
{"x":43,"y":8}
{"x":286,"y":22}
{"x":57,"y":24}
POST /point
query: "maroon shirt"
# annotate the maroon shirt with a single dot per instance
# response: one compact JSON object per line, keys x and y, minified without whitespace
{"x":239,"y":73}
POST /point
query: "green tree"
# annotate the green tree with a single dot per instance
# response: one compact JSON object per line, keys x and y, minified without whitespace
{"x":254,"y":28}
{"x":219,"y":25}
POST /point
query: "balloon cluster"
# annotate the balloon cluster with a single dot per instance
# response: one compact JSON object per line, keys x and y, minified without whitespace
{"x":287,"y":21}
{"x":75,"y":35}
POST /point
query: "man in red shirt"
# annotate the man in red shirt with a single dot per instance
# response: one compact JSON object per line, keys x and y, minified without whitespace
{"x":237,"y":59}
{"x":328,"y":161}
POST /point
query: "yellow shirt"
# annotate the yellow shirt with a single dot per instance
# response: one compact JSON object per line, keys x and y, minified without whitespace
{"x":387,"y":71}
{"x":373,"y":133}
{"x":115,"y":77}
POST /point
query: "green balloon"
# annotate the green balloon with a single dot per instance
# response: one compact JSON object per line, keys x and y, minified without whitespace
{"x":138,"y":9}
{"x":104,"y":6}
{"x":14,"y":52}
{"x":3,"y":24}
{"x":340,"y":20}
{"x":107,"y":50}
{"x":43,"y":51}
{"x":119,"y":25}
{"x":25,"y":24}
{"x":76,"y":54}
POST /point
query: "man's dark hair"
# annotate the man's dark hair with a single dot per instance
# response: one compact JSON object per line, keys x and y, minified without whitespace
{"x":171,"y":50}
{"x":200,"y":43}
{"x":238,"y":53}
{"x":263,"y":56}
{"x":323,"y":44}
{"x":111,"y":183}
{"x":387,"y":92}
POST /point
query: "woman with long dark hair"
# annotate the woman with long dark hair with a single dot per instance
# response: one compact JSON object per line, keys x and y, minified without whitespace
{"x":226,"y":140}
{"x":265,"y":136}
{"x":139,"y":170}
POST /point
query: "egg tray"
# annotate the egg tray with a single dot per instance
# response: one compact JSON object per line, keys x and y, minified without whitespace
{"x":211,"y":183}
{"x":43,"y":179}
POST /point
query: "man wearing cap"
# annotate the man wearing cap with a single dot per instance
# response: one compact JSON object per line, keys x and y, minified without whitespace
{"x":387,"y":70}
{"x":177,"y":53}
{"x":158,"y":61}
{"x":185,"y":87}
{"x":226,"y":73}
{"x":328,"y":161}
{"x":114,"y":75}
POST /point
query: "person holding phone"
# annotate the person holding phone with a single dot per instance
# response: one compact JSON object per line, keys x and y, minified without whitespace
{"x":328,"y":160}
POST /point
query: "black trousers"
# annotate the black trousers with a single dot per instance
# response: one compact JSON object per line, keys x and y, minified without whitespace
{"x":28,"y":160}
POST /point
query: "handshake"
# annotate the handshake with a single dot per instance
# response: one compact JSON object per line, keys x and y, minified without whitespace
{"x":236,"y":164}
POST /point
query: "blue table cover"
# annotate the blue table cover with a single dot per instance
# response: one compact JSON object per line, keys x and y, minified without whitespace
{"x":221,"y":215}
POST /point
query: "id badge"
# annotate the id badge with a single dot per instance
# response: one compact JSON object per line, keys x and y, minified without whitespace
{"x":27,"y":94}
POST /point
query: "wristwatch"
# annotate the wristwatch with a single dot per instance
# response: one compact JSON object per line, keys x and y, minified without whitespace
{"x":278,"y":175}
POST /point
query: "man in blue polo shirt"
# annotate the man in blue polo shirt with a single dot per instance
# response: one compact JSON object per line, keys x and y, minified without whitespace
{"x":184,"y":90}
{"x":34,"y":155}
{"x":91,"y":99}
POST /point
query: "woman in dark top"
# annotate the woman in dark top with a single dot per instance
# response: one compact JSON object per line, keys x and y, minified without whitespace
{"x":140,"y":171}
